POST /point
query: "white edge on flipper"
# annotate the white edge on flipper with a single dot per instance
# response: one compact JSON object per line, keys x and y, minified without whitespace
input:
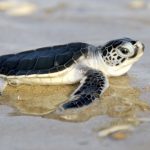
{"x":3,"y":84}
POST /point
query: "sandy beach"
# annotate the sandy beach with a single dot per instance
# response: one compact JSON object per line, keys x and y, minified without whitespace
{"x":28,"y":121}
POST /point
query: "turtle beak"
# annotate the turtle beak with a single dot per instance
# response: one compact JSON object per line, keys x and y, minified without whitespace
{"x":139,"y":49}
{"x":143,"y":47}
{"x":140,"y":46}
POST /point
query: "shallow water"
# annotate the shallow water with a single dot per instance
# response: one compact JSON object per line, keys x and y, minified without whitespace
{"x":120,"y":100}
{"x":34,"y":122}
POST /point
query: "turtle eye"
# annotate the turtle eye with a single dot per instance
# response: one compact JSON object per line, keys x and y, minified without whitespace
{"x":124,"y":50}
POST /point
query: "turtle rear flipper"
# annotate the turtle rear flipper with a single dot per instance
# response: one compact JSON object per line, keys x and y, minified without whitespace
{"x":90,"y":89}
{"x":3,"y":85}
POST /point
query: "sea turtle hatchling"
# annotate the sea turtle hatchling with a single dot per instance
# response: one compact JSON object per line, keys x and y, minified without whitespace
{"x":69,"y":64}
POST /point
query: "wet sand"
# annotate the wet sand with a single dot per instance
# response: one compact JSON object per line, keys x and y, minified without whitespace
{"x":120,"y":100}
{"x":29,"y":121}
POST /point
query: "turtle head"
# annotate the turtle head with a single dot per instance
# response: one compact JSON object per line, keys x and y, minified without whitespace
{"x":120,"y":54}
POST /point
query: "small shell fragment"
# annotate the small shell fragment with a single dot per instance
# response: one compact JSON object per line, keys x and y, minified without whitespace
{"x":137,"y":4}
{"x":113,"y":129}
{"x":22,"y":9}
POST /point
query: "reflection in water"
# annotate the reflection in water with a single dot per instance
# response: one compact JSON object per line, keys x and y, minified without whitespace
{"x":121,"y":100}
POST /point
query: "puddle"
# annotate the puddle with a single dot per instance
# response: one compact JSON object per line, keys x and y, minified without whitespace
{"x":121,"y":101}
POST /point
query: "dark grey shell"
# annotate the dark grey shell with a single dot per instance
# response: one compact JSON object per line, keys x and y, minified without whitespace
{"x":43,"y":60}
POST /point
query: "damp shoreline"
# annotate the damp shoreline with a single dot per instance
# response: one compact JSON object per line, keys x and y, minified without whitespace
{"x":26,"y":121}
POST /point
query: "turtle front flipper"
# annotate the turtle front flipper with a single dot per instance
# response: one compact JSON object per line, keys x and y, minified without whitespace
{"x":90,"y":89}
